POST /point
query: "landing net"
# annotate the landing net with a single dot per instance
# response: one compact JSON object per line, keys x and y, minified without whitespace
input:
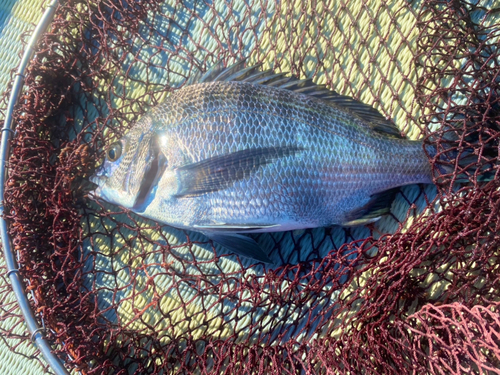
{"x":418,"y":292}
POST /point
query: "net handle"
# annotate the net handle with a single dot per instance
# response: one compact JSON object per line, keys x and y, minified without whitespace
{"x":36,"y":332}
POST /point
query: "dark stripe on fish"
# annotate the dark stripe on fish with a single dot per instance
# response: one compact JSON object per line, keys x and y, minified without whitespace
{"x":220,"y":172}
{"x":149,"y":183}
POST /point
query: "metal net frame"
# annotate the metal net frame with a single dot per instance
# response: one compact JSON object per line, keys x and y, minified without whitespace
{"x":416,"y":293}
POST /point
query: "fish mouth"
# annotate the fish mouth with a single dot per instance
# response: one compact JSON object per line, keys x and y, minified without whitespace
{"x":81,"y":187}
{"x":95,"y":180}
{"x":95,"y":183}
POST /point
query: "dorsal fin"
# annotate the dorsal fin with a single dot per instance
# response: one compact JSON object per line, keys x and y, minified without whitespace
{"x":238,"y":73}
{"x":219,"y":73}
{"x":374,"y":118}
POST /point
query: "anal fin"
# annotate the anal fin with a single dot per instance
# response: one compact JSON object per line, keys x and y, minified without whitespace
{"x":241,"y":245}
{"x":378,"y":205}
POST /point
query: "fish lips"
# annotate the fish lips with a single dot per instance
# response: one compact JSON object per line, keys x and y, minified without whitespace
{"x":98,"y":182}
{"x":98,"y":179}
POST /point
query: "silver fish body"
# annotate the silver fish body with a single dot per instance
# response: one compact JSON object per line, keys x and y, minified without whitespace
{"x":226,"y":157}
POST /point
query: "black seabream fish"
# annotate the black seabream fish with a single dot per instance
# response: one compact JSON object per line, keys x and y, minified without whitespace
{"x":239,"y":150}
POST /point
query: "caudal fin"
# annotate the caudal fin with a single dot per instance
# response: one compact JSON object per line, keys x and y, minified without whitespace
{"x":463,"y":155}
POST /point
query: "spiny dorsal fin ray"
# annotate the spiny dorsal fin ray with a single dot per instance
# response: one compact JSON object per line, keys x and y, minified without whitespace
{"x":252,"y":74}
{"x":225,"y":74}
{"x":218,"y":73}
{"x":214,"y":71}
{"x":303,"y":84}
{"x":258,"y":75}
{"x":221,"y":171}
{"x":268,"y":79}
{"x":243,"y":74}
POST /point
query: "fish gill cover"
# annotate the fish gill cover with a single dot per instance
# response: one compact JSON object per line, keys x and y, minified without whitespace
{"x":418,"y":292}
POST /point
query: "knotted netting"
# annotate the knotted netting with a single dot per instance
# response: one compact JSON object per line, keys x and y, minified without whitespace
{"x":417,"y":292}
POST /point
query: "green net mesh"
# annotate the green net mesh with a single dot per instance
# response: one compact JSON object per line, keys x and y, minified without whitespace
{"x":417,"y":292}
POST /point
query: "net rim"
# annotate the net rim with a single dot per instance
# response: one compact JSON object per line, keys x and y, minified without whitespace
{"x":36,"y":332}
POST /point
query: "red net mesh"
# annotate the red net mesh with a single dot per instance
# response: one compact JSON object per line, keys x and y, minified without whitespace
{"x":119,"y":294}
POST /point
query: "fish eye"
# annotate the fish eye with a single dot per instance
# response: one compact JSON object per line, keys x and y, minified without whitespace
{"x":114,"y":151}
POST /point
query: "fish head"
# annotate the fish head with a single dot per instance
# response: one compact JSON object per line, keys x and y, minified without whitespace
{"x":127,"y":166}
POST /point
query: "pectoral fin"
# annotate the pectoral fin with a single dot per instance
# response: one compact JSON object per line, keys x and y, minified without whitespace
{"x":240,"y":244}
{"x":220,"y":172}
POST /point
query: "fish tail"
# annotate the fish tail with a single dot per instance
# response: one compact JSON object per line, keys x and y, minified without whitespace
{"x":462,"y":156}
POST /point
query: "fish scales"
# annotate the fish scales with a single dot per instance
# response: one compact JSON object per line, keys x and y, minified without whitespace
{"x":341,"y":155}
